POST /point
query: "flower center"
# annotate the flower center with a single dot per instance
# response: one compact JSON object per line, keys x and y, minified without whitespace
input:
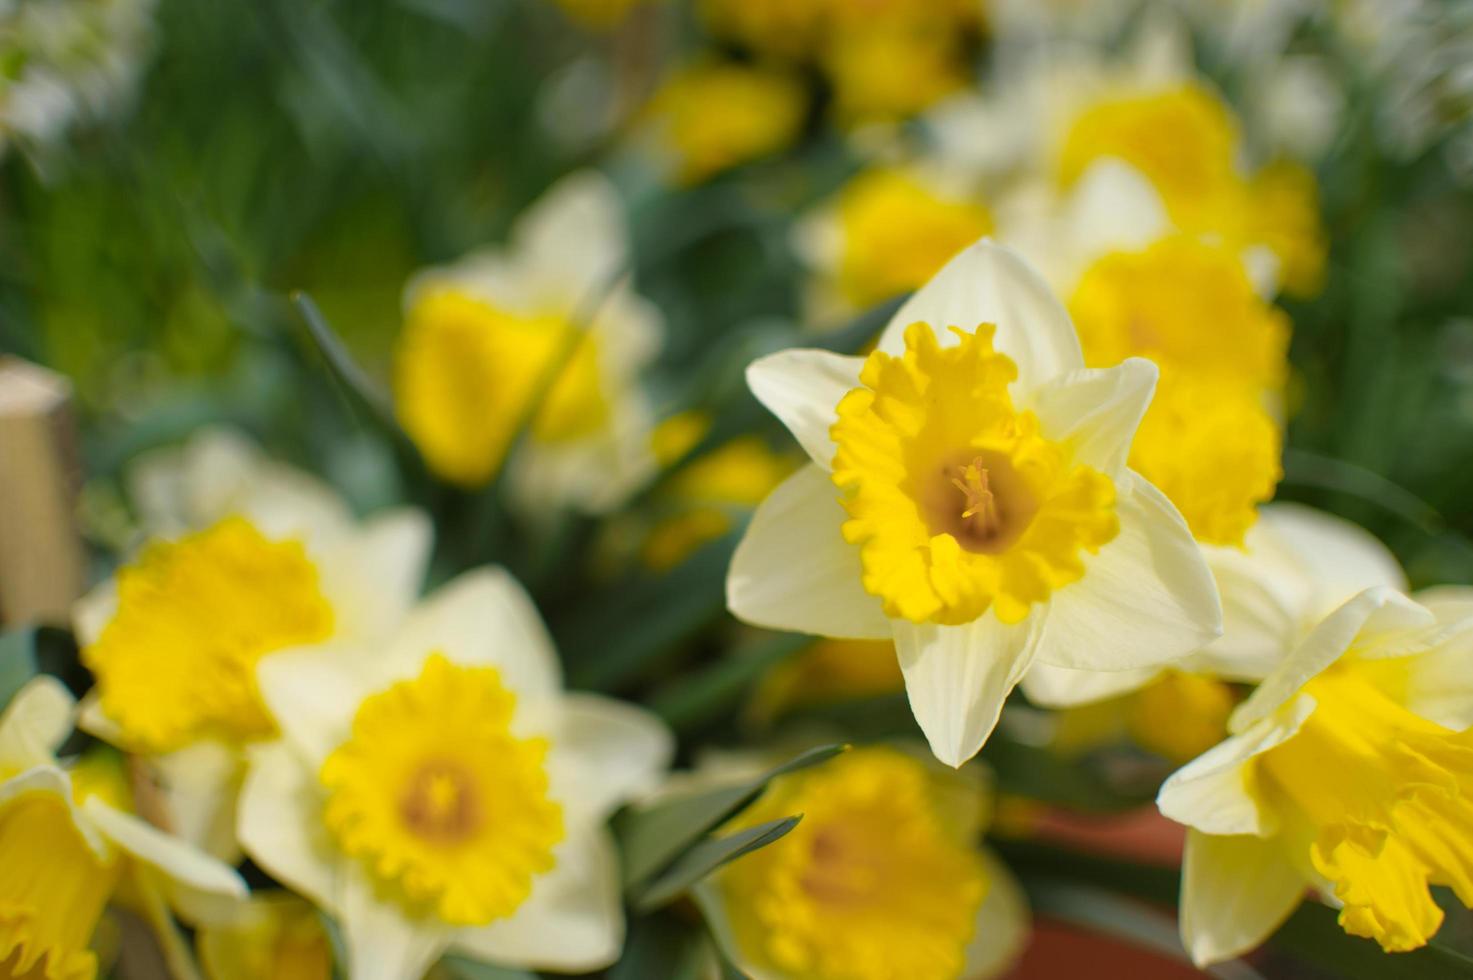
{"x":440,"y":803}
{"x":876,"y":882}
{"x":465,"y":372}
{"x":446,"y":807}
{"x":1383,"y":800}
{"x":53,"y":887}
{"x":956,"y":500}
{"x":177,"y":661}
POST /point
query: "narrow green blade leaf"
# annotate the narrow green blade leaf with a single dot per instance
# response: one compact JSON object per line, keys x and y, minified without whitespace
{"x":340,"y":362}
{"x":652,"y":839}
{"x":706,"y":857}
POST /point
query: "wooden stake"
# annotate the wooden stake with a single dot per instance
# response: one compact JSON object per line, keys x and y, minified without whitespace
{"x":41,"y":557}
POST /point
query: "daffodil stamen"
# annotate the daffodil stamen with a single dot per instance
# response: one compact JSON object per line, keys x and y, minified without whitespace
{"x":957,"y":500}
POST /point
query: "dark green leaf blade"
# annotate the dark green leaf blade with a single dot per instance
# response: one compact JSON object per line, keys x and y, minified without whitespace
{"x":654,"y":838}
{"x":706,"y":857}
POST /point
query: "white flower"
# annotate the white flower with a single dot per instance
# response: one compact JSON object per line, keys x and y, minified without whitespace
{"x":1298,"y":565}
{"x":242,"y":556}
{"x":1346,"y":771}
{"x":481,"y":335}
{"x":992,"y":522}
{"x":437,"y":789}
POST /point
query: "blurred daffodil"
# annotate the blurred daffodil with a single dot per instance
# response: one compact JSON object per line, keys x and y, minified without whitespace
{"x":702,"y":501}
{"x":711,"y":116}
{"x":275,"y":934}
{"x":1349,"y":770}
{"x":883,"y":877}
{"x":826,"y":672}
{"x":243,"y":557}
{"x":885,"y":233}
{"x":483,"y":337}
{"x":985,"y":518}
{"x":1296,"y":565}
{"x":434,"y":788}
{"x":68,"y":847}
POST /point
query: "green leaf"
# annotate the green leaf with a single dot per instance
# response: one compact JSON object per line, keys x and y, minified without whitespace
{"x":654,"y":838}
{"x":691,"y":701}
{"x":361,"y":389}
{"x":706,"y":857}
{"x":468,"y":969}
{"x":17,"y":660}
{"x":665,"y":946}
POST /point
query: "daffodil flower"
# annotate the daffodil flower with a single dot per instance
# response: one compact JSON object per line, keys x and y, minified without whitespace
{"x":483,"y":336}
{"x":243,"y":556}
{"x":1298,"y":564}
{"x":884,"y":876}
{"x":968,"y":496}
{"x":1349,"y":771}
{"x":436,"y":789}
{"x":66,"y":848}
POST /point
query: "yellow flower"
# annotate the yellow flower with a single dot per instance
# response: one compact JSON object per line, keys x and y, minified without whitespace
{"x":1342,"y":773}
{"x":958,"y":503}
{"x":481,"y":338}
{"x":244,"y":558}
{"x":1208,"y":440}
{"x":437,"y":789}
{"x":1284,"y":214}
{"x":882,"y":878}
{"x":982,"y":492}
{"x":1180,"y":715}
{"x":703,"y":498}
{"x":894,"y":68}
{"x":66,"y":847}
{"x":275,"y":934}
{"x":712,"y":116}
{"x":788,"y":28}
{"x":829,"y":670}
{"x":888,"y":231}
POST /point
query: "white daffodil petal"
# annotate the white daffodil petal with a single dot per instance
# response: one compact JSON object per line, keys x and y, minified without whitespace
{"x":606,"y":753}
{"x":1095,"y":411}
{"x":1235,"y":891}
{"x":1261,"y":618}
{"x":1002,"y":930}
{"x":178,"y":860}
{"x":35,"y":723}
{"x":1060,"y":687}
{"x":313,"y":694}
{"x":92,"y":612}
{"x":482,"y":618}
{"x":280,"y":824}
{"x":1341,"y":557}
{"x":1439,"y":686}
{"x":200,"y":785}
{"x":572,"y":922}
{"x":957,"y":677}
{"x":793,"y":570}
{"x":574,"y":234}
{"x":381,"y":943}
{"x":803,"y":387}
{"x":1114,"y":208}
{"x":1147,"y":598}
{"x":1377,"y":618}
{"x":373,"y":577}
{"x":1211,"y":792}
{"x":988,"y":283}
